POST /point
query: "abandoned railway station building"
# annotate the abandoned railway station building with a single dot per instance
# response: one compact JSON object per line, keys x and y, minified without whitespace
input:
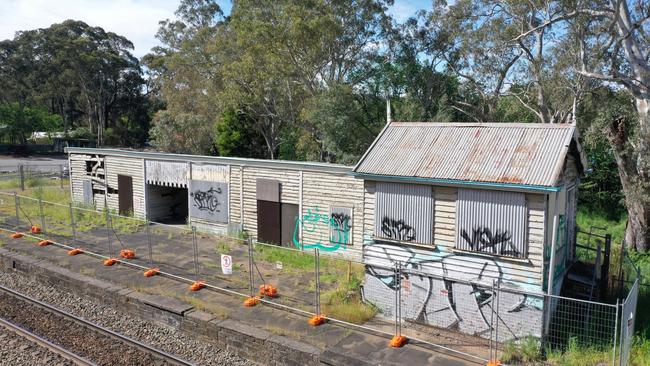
{"x":460,"y":207}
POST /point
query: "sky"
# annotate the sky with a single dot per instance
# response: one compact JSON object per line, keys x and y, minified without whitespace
{"x":137,"y":20}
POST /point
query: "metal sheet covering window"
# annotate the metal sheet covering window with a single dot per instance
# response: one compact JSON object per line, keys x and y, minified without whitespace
{"x":492,"y":222}
{"x":340,"y":225}
{"x":404,"y":212}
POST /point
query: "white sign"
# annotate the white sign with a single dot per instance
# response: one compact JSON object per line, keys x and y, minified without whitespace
{"x":226,"y":264}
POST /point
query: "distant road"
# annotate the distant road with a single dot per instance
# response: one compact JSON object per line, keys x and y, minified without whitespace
{"x":42,"y":163}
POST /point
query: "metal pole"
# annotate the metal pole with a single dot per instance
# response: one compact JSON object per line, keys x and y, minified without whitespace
{"x":72,"y":224}
{"x":396,"y":301}
{"x":17,"y":200}
{"x":22,"y":177}
{"x":108,"y":232}
{"x":196,"y":254}
{"x":496,"y":335}
{"x":61,"y":175}
{"x":399,"y":298}
{"x":615,"y":326}
{"x":250,"y":265}
{"x":317,"y":264}
{"x":147,"y":223}
{"x":40,"y":211}
{"x":492,"y":322}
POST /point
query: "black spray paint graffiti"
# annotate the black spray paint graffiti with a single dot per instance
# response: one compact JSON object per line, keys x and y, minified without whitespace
{"x":207,"y":200}
{"x":483,"y":240}
{"x":397,"y":229}
{"x":442,"y":300}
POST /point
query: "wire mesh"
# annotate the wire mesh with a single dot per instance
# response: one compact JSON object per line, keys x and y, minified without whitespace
{"x":472,"y":318}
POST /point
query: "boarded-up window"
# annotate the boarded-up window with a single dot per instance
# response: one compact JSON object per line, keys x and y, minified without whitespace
{"x":404,"y":212}
{"x":491,"y":222}
{"x":340,"y":225}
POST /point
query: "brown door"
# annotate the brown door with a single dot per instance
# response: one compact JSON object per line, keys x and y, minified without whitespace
{"x":125,"y":194}
{"x":268,"y":222}
{"x":289,"y":217}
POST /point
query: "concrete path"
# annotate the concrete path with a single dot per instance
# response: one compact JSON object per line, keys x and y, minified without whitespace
{"x":338,"y":344}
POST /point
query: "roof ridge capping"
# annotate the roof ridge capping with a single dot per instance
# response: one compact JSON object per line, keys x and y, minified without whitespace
{"x":482,"y":124}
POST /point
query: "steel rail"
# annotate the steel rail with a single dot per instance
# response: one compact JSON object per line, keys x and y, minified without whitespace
{"x":22,"y":332}
{"x":105,"y":331}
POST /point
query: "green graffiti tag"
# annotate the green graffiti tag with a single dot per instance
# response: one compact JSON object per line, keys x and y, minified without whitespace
{"x":332,"y":231}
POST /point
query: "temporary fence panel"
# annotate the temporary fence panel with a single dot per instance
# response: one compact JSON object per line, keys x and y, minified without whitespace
{"x":628,"y":317}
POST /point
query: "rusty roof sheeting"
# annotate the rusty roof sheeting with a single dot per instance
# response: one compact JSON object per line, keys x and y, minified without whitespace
{"x":519,"y":153}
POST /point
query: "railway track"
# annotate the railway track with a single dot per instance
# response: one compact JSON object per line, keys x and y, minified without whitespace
{"x":76,"y":339}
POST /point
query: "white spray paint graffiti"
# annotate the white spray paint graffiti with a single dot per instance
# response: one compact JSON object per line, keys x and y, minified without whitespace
{"x":447,"y":296}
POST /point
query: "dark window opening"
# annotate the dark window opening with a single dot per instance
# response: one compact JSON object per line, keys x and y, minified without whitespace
{"x":167,"y":205}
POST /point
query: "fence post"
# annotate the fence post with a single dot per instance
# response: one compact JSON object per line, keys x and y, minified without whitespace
{"x":250,"y":265}
{"x":108,"y":232}
{"x":22,"y":177}
{"x":61,"y":175}
{"x":317,"y":269}
{"x":604,"y":275}
{"x":615,"y":333}
{"x":148,"y":231}
{"x":72,"y":224}
{"x":196,"y":254}
{"x":492,"y":322}
{"x":398,"y":298}
{"x":496,"y":334}
{"x":17,"y":201}
{"x":40,"y":212}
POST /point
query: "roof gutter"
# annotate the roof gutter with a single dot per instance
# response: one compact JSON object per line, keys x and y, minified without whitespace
{"x":453,"y":182}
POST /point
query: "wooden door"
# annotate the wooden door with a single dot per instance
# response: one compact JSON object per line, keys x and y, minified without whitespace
{"x":125,"y":194}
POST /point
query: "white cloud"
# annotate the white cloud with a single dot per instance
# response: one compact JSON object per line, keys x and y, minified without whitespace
{"x":137,"y":20}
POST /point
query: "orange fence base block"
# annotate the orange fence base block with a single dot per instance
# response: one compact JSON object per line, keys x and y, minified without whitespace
{"x":75,"y":251}
{"x":251,"y":301}
{"x":17,"y":235}
{"x":36,"y":230}
{"x":44,"y":243}
{"x":317,"y":320}
{"x":398,"y":341}
{"x":494,"y":363}
{"x":110,"y":261}
{"x":127,"y":253}
{"x":268,"y":290}
{"x":151,"y":272}
{"x":196,"y":286}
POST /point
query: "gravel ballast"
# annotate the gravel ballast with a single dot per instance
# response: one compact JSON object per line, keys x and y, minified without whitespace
{"x":16,"y":350}
{"x":165,"y":338}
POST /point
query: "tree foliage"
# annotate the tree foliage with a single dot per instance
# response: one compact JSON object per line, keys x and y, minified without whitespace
{"x":84,"y":74}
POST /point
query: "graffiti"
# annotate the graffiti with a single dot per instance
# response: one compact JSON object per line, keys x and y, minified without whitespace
{"x":397,"y":229}
{"x":331,"y":231}
{"x":483,"y":240}
{"x":207,"y":200}
{"x":446,"y":292}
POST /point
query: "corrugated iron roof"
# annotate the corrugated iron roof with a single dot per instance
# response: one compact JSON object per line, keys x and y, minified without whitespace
{"x":515,"y":153}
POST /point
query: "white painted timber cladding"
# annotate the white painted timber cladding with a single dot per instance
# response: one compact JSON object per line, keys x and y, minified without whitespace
{"x":167,"y":173}
{"x":324,"y":191}
{"x":235,"y":197}
{"x":126,"y":166}
{"x":444,"y":260}
{"x":78,"y":176}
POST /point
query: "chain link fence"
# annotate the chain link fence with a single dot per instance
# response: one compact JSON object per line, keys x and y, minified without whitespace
{"x":480,"y":320}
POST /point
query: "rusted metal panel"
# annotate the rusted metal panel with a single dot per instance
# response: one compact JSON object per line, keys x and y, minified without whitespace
{"x":404,"y":212}
{"x":486,"y":152}
{"x":167,"y":173}
{"x":491,"y":222}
